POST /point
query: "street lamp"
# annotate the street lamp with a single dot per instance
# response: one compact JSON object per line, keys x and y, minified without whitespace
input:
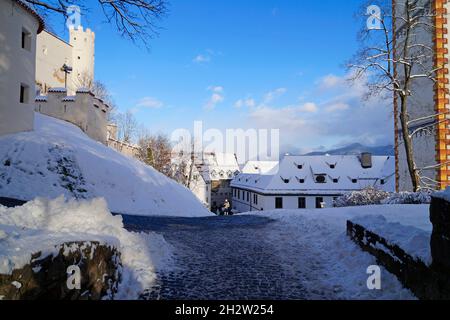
{"x":67,"y":70}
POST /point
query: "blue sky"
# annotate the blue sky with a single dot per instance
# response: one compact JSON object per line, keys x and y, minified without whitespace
{"x":247,"y":64}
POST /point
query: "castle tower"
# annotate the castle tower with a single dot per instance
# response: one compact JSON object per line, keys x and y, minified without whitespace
{"x":83,"y":55}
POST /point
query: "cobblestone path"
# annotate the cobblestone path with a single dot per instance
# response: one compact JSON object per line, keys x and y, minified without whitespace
{"x":229,"y":258}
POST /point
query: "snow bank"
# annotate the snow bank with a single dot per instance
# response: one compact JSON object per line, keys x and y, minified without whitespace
{"x":341,"y":264}
{"x":59,"y":159}
{"x":445,"y":195}
{"x":415,"y":241}
{"x":42,"y":224}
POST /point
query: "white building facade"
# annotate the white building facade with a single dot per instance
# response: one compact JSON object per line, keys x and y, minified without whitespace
{"x":19,"y":26}
{"x":310,"y":182}
{"x":53,"y":53}
{"x":211,"y":178}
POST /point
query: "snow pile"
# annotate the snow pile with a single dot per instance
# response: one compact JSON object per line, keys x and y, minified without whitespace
{"x":415,"y":241}
{"x":340,"y":266}
{"x":368,"y":196}
{"x":59,"y":159}
{"x":42,"y":224}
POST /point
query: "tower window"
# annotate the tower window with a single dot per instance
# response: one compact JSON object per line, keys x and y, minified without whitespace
{"x":24,"y":93}
{"x":26,"y":39}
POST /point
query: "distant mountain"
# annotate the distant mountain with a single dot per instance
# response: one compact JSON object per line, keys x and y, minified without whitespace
{"x":357,"y":148}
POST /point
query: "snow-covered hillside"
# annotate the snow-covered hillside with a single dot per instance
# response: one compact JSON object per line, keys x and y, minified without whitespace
{"x":59,"y":159}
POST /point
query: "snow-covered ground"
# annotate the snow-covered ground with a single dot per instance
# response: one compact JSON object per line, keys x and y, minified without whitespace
{"x":343,"y":263}
{"x":59,"y":159}
{"x":40,"y":225}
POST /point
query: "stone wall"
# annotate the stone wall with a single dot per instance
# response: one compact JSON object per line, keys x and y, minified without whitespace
{"x":46,"y":277}
{"x":84,"y":110}
{"x":426,"y":282}
{"x":440,"y":238}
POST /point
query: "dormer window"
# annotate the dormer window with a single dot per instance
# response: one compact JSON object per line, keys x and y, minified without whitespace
{"x":320,"y":178}
{"x":332,"y":166}
{"x":354,"y":180}
{"x":299,"y":166}
{"x":335,"y":180}
{"x":285,"y":180}
{"x":382,"y":181}
{"x":301,"y":180}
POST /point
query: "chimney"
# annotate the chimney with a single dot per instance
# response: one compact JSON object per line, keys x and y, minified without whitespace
{"x":366,"y":160}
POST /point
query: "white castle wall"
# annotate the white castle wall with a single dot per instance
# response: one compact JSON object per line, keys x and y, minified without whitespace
{"x":17,"y":67}
{"x":83,"y":110}
{"x":122,"y":147}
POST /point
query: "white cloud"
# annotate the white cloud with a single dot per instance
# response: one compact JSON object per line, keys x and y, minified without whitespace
{"x":309,"y":107}
{"x":202,"y":58}
{"x":250,"y":103}
{"x":339,"y":106}
{"x":217,"y":89}
{"x":330,"y":81}
{"x":216,"y":97}
{"x":272,"y":95}
{"x":345,"y":116}
{"x":149,"y":103}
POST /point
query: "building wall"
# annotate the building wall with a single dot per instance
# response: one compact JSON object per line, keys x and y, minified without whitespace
{"x":267,"y":202}
{"x":17,"y":67}
{"x":420,"y":104}
{"x":53,"y":53}
{"x":120,"y":146}
{"x":432,"y":148}
{"x":441,"y":97}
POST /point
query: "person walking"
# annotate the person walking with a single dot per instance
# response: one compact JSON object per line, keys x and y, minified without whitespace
{"x":226,"y":207}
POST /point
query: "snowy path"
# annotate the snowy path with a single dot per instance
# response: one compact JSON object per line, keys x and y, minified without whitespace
{"x":232,"y":258}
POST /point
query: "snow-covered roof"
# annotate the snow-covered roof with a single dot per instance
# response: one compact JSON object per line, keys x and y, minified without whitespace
{"x":218,"y":166}
{"x":260,"y":167}
{"x":83,"y":90}
{"x":41,"y":99}
{"x":69,"y":99}
{"x":321,"y":174}
{"x":57,"y":90}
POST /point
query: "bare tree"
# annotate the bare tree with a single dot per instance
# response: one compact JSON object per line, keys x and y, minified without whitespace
{"x":127,"y":126}
{"x":397,"y":58}
{"x":133,"y":19}
{"x":156,"y":151}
